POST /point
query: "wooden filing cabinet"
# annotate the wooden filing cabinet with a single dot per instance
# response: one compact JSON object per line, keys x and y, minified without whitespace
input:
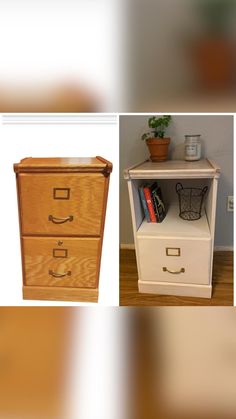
{"x":175,"y":256}
{"x":62,"y":206}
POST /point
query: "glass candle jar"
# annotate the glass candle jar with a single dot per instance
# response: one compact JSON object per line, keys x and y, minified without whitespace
{"x":192,"y":147}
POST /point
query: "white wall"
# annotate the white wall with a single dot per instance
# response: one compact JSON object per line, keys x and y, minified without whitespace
{"x":217,"y":144}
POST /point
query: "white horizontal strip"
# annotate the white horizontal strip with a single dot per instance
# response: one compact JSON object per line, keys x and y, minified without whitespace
{"x":223,"y":248}
{"x":130,"y":246}
{"x":15,"y":119}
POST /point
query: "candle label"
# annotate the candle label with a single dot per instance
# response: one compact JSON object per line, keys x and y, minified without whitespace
{"x":191,"y":150}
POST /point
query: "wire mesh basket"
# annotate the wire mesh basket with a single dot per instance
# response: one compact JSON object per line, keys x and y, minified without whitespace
{"x":190,"y":201}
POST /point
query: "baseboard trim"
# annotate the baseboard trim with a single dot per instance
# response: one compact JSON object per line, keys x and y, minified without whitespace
{"x":223,"y":248}
{"x":130,"y":246}
{"x":60,"y":294}
{"x":182,"y":290}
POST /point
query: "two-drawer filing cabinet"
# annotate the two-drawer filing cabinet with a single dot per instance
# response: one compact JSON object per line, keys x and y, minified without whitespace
{"x":62,"y":206}
{"x":175,"y":256}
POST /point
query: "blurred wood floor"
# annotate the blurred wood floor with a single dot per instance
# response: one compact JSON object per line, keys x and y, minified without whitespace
{"x":222,"y":294}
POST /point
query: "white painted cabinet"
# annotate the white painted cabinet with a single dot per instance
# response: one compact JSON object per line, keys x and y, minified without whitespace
{"x":175,"y":256}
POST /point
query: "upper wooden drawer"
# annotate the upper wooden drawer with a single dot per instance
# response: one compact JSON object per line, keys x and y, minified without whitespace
{"x":61,"y":204}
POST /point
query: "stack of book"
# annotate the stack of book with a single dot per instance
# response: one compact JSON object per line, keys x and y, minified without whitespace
{"x":152,"y":202}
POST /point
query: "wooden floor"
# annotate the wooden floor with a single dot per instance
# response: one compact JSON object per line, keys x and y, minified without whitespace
{"x":222,"y":294}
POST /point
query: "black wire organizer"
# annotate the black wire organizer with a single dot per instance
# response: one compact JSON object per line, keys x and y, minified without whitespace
{"x":190,"y":201}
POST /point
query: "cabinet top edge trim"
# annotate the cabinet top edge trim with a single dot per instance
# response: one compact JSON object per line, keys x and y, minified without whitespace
{"x":64,"y":164}
{"x":173,"y":169}
{"x":162,"y":236}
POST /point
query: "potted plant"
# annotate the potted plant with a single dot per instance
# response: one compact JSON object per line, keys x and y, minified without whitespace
{"x":214,"y":49}
{"x":155,"y":139}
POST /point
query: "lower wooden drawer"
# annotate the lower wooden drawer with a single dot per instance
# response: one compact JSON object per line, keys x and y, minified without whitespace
{"x":174,"y":260}
{"x":56,"y":262}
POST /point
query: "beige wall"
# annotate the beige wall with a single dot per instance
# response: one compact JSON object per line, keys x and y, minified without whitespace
{"x":217,"y":144}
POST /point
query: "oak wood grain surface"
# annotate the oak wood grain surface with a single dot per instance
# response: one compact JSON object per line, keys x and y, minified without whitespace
{"x":85,"y":204}
{"x":60,"y":293}
{"x":34,"y":360}
{"x":84,"y":164}
{"x":81,"y":261}
{"x":60,"y":161}
{"x":222,"y":294}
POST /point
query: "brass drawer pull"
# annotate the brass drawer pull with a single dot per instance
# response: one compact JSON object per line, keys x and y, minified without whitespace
{"x":182,"y":270}
{"x":56,"y":275}
{"x":57,"y":220}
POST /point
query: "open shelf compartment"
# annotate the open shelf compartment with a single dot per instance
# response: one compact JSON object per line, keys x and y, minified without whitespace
{"x":174,"y":226}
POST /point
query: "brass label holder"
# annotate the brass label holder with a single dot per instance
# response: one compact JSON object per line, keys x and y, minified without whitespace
{"x":172,"y":251}
{"x":60,"y":253}
{"x":61,"y":193}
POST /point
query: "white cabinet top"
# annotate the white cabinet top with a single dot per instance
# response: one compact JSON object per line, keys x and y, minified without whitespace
{"x":173,"y":169}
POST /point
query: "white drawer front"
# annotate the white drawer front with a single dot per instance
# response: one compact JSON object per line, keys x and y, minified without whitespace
{"x":175,"y":260}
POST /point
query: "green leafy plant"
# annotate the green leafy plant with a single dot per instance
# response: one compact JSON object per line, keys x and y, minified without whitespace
{"x":216,"y":15}
{"x":158,"y":125}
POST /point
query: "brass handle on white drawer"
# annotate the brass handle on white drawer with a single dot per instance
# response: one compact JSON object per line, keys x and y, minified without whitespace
{"x":182,"y":270}
{"x":56,"y":275}
{"x":57,"y":220}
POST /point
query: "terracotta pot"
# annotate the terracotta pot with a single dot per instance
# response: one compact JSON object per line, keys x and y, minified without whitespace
{"x":214,"y":59}
{"x":158,"y":148}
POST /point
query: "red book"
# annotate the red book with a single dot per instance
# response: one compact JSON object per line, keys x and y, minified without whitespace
{"x":148,"y":197}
